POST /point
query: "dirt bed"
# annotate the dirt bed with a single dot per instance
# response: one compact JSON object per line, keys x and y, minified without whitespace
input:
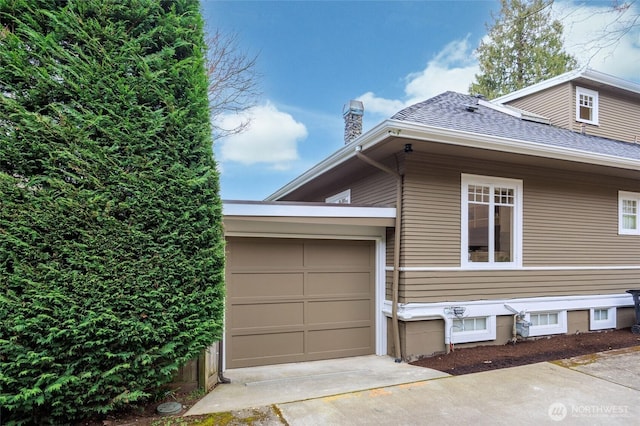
{"x":532,"y":350}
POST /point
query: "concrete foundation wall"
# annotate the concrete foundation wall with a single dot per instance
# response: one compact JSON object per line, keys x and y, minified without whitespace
{"x":577,"y":322}
{"x":626,"y":317}
{"x":420,"y":339}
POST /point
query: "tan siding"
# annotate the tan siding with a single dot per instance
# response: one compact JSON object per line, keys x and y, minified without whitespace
{"x":376,"y":189}
{"x":431,"y":214}
{"x":567,"y":224}
{"x":619,"y":116}
{"x":424,"y":287}
{"x":554,"y":103}
{"x":570,"y":219}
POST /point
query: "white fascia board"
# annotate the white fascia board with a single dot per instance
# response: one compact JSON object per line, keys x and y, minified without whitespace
{"x":288,"y":210}
{"x":610,"y":80}
{"x":534,"y":88}
{"x":480,"y":308}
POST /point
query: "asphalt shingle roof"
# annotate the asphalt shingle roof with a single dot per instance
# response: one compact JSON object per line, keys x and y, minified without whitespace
{"x":448,"y":110}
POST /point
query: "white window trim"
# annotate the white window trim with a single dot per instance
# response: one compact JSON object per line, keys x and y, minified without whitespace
{"x":343,"y":197}
{"x":543,"y":330}
{"x":610,"y":322}
{"x":467,"y":179}
{"x":594,"y":95}
{"x":475,"y":335}
{"x":624,"y":195}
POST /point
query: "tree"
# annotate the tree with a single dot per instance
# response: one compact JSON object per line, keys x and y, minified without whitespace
{"x":233,"y":80}
{"x":111,"y":242}
{"x":524,"y":47}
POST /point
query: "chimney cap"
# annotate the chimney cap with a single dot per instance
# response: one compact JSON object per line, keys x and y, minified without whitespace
{"x":354,"y":107}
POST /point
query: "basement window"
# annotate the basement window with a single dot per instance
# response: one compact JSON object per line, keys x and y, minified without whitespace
{"x":586,"y":106}
{"x":602,"y":318}
{"x":544,"y":323}
{"x":343,"y":197}
{"x":473,"y":329}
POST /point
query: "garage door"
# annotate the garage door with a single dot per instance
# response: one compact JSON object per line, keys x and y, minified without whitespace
{"x":291,"y":300}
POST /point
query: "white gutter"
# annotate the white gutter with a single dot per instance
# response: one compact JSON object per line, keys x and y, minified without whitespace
{"x":424,"y":132}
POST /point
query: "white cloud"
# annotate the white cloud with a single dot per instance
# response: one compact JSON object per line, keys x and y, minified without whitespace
{"x":271,"y":138}
{"x":376,"y":105}
{"x":601,"y":37}
{"x":453,"y":68}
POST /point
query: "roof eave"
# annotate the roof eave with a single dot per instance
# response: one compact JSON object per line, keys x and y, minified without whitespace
{"x":368,"y":139}
{"x":415,"y":131}
{"x":518,"y":146}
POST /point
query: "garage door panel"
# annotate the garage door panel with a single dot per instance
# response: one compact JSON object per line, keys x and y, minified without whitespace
{"x":338,"y":283}
{"x":340,"y":340}
{"x":281,"y":309}
{"x":267,"y":315}
{"x":266,"y":285}
{"x":274,"y":348}
{"x":257,"y":253}
{"x":351,"y":254}
{"x":336,"y":311}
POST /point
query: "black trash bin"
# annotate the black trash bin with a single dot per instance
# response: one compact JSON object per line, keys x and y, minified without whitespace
{"x":635,"y":328}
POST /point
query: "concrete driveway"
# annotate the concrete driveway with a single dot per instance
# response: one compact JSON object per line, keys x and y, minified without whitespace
{"x":596,"y":389}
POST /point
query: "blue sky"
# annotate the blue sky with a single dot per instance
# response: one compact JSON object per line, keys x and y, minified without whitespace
{"x":314,"y":56}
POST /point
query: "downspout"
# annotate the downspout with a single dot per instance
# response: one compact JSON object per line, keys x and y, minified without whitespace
{"x":221,"y":377}
{"x":395,"y":283}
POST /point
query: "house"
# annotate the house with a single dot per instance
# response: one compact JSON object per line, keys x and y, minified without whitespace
{"x":448,"y":224}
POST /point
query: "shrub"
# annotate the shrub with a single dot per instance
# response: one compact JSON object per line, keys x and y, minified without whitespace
{"x":111,"y":247}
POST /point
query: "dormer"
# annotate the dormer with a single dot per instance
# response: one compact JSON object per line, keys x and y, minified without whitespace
{"x":585,"y":101}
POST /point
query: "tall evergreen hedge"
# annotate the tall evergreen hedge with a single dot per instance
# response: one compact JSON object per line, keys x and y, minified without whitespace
{"x":111,"y":247}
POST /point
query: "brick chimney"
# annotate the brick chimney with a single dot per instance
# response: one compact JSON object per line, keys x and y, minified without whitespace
{"x":352,"y":114}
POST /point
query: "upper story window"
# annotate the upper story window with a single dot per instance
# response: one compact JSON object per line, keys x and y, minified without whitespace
{"x":343,"y":197}
{"x":586,"y":105}
{"x":628,"y":203}
{"x":491,"y":228}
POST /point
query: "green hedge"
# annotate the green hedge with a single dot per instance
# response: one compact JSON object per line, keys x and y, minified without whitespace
{"x":111,"y":247}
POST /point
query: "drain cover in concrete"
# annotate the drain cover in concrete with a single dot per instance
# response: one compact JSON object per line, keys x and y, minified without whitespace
{"x":169,"y":408}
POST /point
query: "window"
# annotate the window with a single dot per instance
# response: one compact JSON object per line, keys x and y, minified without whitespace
{"x":343,"y":197}
{"x":473,"y":329}
{"x":491,"y":222}
{"x":550,"y":322}
{"x":602,"y":318}
{"x":469,"y":324}
{"x":586,"y":105}
{"x":628,"y":213}
{"x":544,"y":319}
